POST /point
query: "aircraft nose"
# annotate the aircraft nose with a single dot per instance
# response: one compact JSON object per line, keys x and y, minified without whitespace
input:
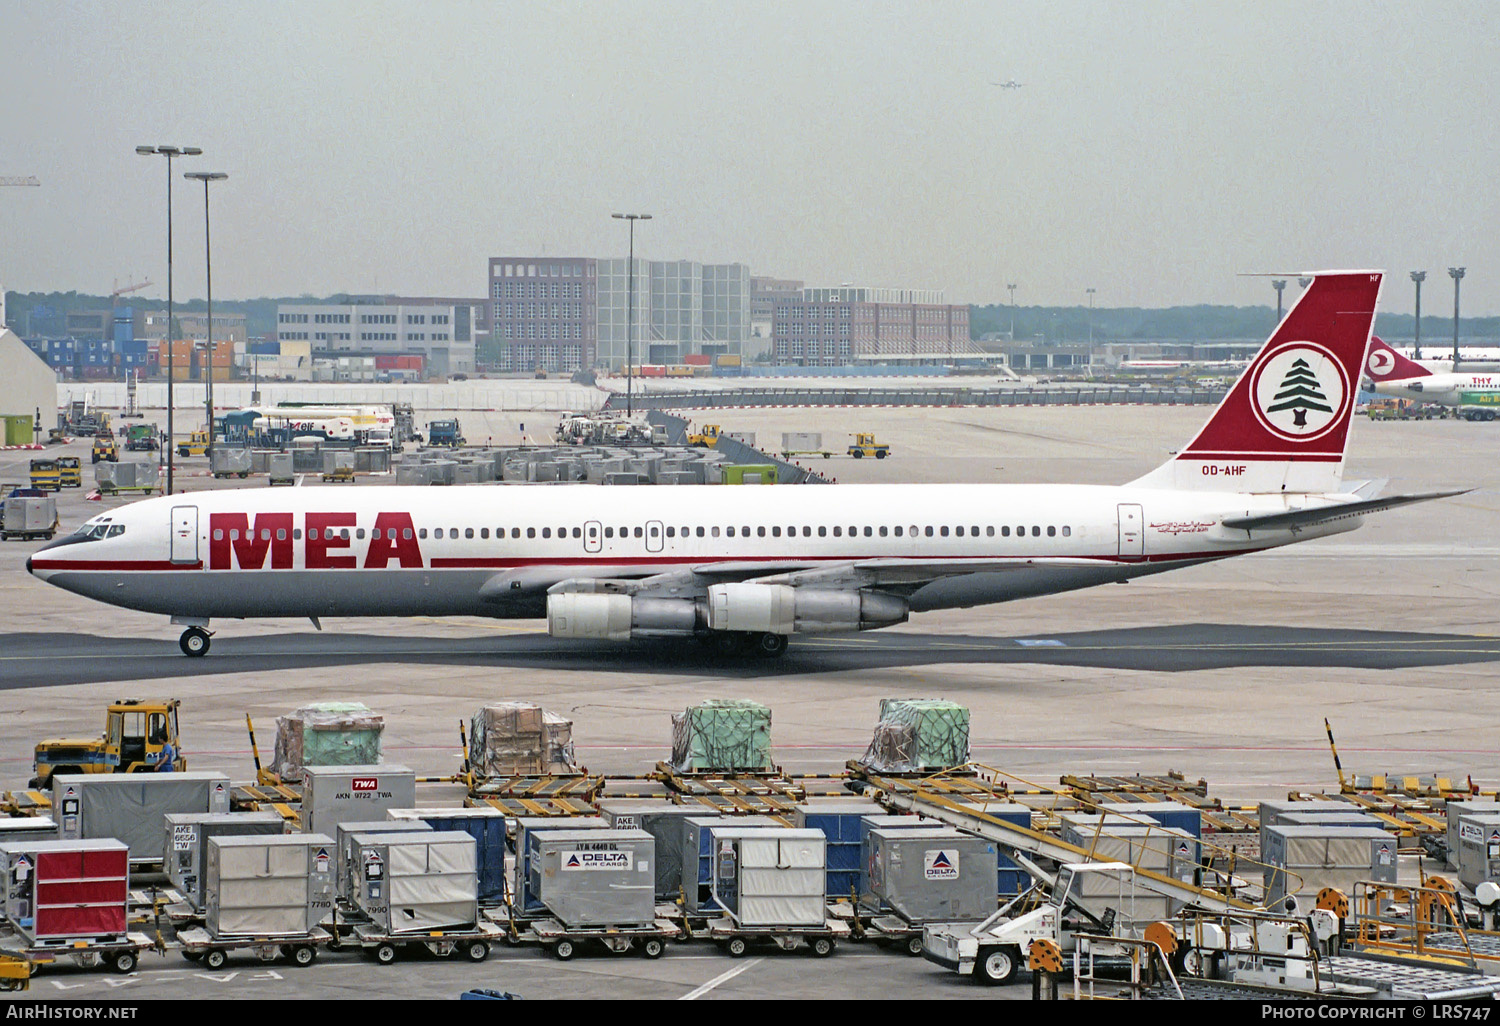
{"x":28,"y":566}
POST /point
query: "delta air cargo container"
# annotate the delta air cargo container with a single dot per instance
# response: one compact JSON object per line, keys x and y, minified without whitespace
{"x":937,"y":874}
{"x":591,"y":878}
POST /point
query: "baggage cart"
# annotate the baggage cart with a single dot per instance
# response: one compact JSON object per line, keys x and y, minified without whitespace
{"x":565,"y":941}
{"x":27,"y":517}
{"x":198,"y":945}
{"x":736,"y":940}
{"x":226,"y":462}
{"x":281,"y":468}
{"x":119,"y":953}
{"x":473,"y":942}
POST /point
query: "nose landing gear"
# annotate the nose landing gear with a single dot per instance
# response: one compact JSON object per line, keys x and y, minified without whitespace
{"x":194,"y":641}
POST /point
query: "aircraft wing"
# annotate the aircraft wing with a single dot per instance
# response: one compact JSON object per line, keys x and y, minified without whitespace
{"x":1301,"y":518}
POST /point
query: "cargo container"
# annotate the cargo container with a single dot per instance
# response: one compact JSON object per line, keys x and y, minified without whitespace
{"x":66,"y":890}
{"x":130,"y":807}
{"x":227,"y":462}
{"x":1302,"y":860}
{"x":487,"y":827}
{"x":882,"y":822}
{"x":590,"y":878}
{"x":523,"y":902}
{"x":27,"y":828}
{"x":28,"y":517}
{"x":936,"y":874}
{"x":1271,"y":812}
{"x":333,"y":794}
{"x":769,"y":877}
{"x":185,"y":843}
{"x":802,"y":441}
{"x":1479,"y":849}
{"x":697,"y":856}
{"x":346,"y":838}
{"x":839,"y":821}
{"x":691,"y":359}
{"x":278,"y":885}
{"x":1172,"y":814}
{"x":416,"y":881}
{"x":664,"y":821}
{"x":1454,"y":812}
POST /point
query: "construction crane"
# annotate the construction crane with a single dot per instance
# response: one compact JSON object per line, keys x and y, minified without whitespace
{"x":118,"y":292}
{"x":11,"y":180}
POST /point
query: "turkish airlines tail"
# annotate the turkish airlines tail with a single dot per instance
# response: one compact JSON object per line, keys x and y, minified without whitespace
{"x":1284,"y":425}
{"x":1385,"y":364}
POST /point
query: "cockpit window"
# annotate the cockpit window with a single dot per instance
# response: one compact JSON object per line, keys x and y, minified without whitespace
{"x":100,"y":529}
{"x":116,"y":530}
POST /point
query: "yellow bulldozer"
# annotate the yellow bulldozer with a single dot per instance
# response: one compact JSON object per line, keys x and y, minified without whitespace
{"x":138,"y":734}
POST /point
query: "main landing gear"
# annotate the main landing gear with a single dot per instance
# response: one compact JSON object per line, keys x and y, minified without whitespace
{"x":754,"y":643}
{"x":194,"y":641}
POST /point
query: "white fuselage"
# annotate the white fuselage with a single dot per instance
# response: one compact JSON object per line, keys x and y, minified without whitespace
{"x":495,"y":551}
{"x":1446,"y":389}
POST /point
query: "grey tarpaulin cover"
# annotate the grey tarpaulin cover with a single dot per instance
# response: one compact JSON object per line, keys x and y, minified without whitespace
{"x":508,"y":739}
{"x":725,"y":734}
{"x":915,"y":735}
{"x":326,"y":734}
{"x":130,"y":807}
{"x":430,"y":881}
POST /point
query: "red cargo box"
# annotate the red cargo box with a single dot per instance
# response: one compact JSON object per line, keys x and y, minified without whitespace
{"x":697,"y":359}
{"x":653,"y":370}
{"x":67,"y":890}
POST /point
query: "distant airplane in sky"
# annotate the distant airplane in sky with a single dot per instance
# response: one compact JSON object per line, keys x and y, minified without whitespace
{"x":1008,"y":84}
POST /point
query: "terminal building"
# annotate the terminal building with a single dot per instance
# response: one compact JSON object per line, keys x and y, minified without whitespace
{"x":833,"y":327}
{"x":440,"y":330}
{"x":542,"y":314}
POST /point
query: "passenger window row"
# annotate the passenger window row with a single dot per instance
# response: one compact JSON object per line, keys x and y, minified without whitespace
{"x":744,"y":531}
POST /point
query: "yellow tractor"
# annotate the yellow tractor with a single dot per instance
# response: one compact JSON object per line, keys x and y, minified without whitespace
{"x":865,"y":445}
{"x":136,"y":734}
{"x":707,"y":438}
{"x":196,"y":445}
{"x":104,"y":449}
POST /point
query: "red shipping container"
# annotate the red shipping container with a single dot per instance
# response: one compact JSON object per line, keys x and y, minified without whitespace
{"x":78,"y":889}
{"x":697,"y":360}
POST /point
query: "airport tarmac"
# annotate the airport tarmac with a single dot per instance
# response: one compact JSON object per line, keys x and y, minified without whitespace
{"x":1223,"y":671}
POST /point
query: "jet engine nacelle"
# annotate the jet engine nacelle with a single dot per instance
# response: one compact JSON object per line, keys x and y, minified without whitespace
{"x":607,"y":617}
{"x":779,"y":609}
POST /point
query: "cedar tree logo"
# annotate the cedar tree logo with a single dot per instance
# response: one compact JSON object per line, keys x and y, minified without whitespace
{"x":1300,"y":392}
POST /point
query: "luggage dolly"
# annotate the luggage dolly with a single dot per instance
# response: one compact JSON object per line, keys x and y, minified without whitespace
{"x":564,"y":940}
{"x":736,"y":939}
{"x":894,"y":932}
{"x":119,"y":953}
{"x":197,"y":945}
{"x":472,"y":942}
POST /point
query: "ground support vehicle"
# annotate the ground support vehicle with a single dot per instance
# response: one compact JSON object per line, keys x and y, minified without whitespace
{"x":104,"y":448}
{"x":707,"y":437}
{"x":70,"y":469}
{"x":119,"y":953}
{"x":340,"y":474}
{"x":444,"y":432}
{"x":28,"y":516}
{"x":196,"y":445}
{"x":198,"y":945}
{"x":736,"y":940}
{"x":473,"y":942}
{"x":793,"y":453}
{"x":46,"y":475}
{"x":15,"y":973}
{"x":135,"y":734}
{"x":865,"y":445}
{"x":142,"y":438}
{"x":565,"y":941}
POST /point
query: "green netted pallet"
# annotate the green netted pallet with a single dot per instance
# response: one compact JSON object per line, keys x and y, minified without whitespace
{"x":327,"y":734}
{"x":918,"y":735}
{"x":722,"y":735}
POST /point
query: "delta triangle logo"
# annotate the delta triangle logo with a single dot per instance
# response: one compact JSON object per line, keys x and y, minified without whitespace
{"x":941,"y":861}
{"x":940,"y":864}
{"x":1300,"y":392}
{"x":573,"y":862}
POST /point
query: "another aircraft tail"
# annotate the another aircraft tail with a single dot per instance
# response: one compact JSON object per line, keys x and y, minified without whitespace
{"x":1284,"y":425}
{"x":1385,"y":364}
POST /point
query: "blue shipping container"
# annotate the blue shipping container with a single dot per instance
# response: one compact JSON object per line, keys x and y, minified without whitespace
{"x":1170,"y":814}
{"x":839,"y":822}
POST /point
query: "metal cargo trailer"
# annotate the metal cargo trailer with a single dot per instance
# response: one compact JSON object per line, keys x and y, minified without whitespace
{"x":278,"y":885}
{"x":1478,"y":849}
{"x":129,"y":807}
{"x":1325,"y":856}
{"x":333,"y":794}
{"x":185,"y":844}
{"x":486,"y":825}
{"x":839,"y":820}
{"x":933,"y":875}
{"x":765,"y":876}
{"x":1456,"y":811}
{"x":697,"y":856}
{"x":523,"y":902}
{"x":594,"y":877}
{"x":345,"y":838}
{"x":417,"y":881}
{"x":66,"y":890}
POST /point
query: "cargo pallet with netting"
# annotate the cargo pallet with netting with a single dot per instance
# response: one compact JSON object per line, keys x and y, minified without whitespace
{"x":732,"y":793}
{"x":198,"y":945}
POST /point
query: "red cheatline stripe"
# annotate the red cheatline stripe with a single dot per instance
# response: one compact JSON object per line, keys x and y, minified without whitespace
{"x":112,"y":564}
{"x":1264,"y":457}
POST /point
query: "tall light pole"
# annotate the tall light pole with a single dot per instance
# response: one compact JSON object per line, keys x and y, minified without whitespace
{"x":1418,"y":277}
{"x":1091,"y":319}
{"x":1278,"y":284}
{"x":1012,"y":313}
{"x":1457,"y":274}
{"x":630,"y":312}
{"x":169,"y":152}
{"x":208,"y":266}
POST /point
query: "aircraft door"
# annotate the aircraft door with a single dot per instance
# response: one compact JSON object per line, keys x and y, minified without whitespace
{"x":592,"y":536}
{"x":184,"y":534}
{"x":1132,"y":531}
{"x":653,"y":536}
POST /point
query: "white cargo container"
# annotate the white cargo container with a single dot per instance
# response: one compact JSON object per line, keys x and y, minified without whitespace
{"x":347,"y":837}
{"x":594,"y":878}
{"x":277,"y":885}
{"x":769,"y":877}
{"x":334,"y":794}
{"x":185,"y":843}
{"x":1455,"y":811}
{"x":1479,"y":849}
{"x":936,"y":874}
{"x":1302,"y":860}
{"x":416,"y":881}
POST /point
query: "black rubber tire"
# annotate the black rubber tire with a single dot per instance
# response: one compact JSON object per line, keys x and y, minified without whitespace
{"x":770,"y":646}
{"x":821,"y":947}
{"x":998,"y":966}
{"x":194,"y":642}
{"x":476,"y":951}
{"x":914,"y":945}
{"x":736,"y":946}
{"x":384,"y":954}
{"x":652,"y":947}
{"x":859,"y":454}
{"x":123,"y":962}
{"x":564,"y":950}
{"x":214,"y":958}
{"x":304,"y":954}
{"x":193,"y":956}
{"x":880,"y":455}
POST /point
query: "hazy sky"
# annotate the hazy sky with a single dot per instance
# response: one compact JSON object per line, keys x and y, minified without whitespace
{"x":1155,"y":150}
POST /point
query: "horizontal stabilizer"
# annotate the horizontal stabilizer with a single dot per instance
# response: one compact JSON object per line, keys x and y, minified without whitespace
{"x":1301,"y":518}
